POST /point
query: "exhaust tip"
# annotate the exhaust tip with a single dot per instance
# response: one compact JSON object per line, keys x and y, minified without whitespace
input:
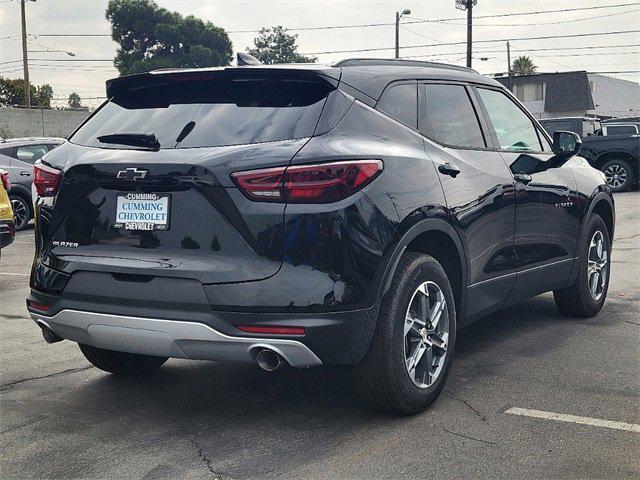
{"x":268,"y":360}
{"x":49,"y":335}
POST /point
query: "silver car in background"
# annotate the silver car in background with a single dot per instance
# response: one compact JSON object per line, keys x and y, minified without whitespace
{"x":17,"y":156}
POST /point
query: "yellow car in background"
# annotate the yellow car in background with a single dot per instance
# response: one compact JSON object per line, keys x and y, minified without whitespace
{"x":7,"y":232}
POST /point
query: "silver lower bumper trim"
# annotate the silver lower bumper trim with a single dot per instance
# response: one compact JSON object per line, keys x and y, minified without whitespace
{"x":169,"y":338}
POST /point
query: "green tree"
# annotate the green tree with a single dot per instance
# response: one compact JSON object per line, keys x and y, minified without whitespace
{"x":275,"y":45}
{"x":12,"y":93}
{"x":151,"y":37}
{"x":523,"y":65}
{"x":74,"y":100}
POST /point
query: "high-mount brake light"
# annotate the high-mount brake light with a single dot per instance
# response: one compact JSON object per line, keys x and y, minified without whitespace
{"x":317,"y":183}
{"x":46,"y":180}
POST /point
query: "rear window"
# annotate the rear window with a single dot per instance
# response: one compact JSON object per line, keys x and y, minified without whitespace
{"x":210,"y":113}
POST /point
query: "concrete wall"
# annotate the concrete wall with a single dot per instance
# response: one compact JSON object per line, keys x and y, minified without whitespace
{"x":20,"y":122}
{"x":614,"y":97}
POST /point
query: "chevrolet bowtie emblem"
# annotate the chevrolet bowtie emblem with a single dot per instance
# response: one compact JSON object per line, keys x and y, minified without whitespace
{"x":132,"y":174}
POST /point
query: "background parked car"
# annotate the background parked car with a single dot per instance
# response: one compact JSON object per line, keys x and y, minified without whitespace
{"x":612,"y":146}
{"x":7,"y":231}
{"x":17,"y":156}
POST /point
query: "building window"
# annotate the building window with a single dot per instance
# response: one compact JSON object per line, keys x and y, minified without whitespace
{"x":529,"y":92}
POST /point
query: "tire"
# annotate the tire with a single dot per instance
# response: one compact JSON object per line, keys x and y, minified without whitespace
{"x":579,"y":300}
{"x":619,"y":175}
{"x":21,"y":212}
{"x":121,"y":363}
{"x":382,"y":377}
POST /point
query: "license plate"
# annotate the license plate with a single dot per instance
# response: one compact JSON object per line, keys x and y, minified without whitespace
{"x":143,"y":211}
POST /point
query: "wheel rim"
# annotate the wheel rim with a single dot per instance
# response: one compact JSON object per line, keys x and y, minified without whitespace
{"x":20,"y":213}
{"x":426,"y":335}
{"x":597,"y":266}
{"x":616,"y":175}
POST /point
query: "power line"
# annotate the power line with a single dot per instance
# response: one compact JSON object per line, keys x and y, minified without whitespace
{"x":525,"y":50}
{"x":446,"y":22}
{"x":381,"y":24}
{"x":547,"y":37}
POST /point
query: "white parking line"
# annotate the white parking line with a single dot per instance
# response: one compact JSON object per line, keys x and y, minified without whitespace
{"x":562,"y":417}
{"x":15,"y":274}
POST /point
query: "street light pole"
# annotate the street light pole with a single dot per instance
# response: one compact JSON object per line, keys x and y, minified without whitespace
{"x":25,"y":61}
{"x":509,"y":66}
{"x":397,"y":35}
{"x":469,"y":31}
{"x":398,"y":17}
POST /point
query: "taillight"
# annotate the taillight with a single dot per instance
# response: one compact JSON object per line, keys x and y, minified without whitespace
{"x":5,"y":180}
{"x":318,"y":183}
{"x":265,"y":185}
{"x":46,"y":179}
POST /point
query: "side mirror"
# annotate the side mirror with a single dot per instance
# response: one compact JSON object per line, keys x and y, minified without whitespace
{"x":566,"y":144}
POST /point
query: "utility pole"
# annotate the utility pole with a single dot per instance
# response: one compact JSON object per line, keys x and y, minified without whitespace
{"x":398,"y":17}
{"x":468,"y":6}
{"x":25,"y":61}
{"x":509,"y":66}
{"x":397,"y":35}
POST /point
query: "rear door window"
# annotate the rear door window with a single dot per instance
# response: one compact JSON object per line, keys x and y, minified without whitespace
{"x":447,"y":116}
{"x":400,"y":102}
{"x":208,"y":113}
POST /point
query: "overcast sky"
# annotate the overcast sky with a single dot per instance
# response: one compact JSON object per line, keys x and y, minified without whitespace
{"x":87,"y":16}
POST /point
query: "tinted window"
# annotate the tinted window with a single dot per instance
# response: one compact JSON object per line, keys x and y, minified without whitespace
{"x":211,"y":113}
{"x":621,"y":130}
{"x":401,"y":102}
{"x":514,"y":130}
{"x":555,"y":125}
{"x":31,"y":153}
{"x":447,"y":116}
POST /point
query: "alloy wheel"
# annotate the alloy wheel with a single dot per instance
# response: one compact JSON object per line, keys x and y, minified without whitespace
{"x":597,"y":269}
{"x":426,"y":335}
{"x":616,"y":175}
{"x":20,"y":213}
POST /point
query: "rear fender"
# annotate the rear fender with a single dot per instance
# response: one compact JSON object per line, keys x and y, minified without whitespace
{"x":428,"y":225}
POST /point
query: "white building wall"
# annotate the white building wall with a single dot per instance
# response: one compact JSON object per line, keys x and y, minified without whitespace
{"x":614,"y":97}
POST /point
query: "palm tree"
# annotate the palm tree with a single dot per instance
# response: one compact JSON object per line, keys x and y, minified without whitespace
{"x":523,"y":65}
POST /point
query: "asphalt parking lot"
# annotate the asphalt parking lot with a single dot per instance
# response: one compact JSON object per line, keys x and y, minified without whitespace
{"x":61,"y":418}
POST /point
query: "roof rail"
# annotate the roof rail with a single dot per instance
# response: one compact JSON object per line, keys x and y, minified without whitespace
{"x":373,"y":62}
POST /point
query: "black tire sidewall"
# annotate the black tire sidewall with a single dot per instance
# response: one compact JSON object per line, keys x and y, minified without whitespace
{"x":27,"y":206}
{"x":593,"y":306}
{"x":423,"y":269}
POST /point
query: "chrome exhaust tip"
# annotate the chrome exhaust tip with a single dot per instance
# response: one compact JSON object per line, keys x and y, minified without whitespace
{"x":268,"y":360}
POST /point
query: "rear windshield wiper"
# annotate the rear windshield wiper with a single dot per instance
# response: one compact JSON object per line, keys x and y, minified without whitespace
{"x":144,"y":140}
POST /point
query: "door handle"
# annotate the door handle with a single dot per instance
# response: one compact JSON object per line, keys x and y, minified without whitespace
{"x":24,"y":173}
{"x":523,"y":178}
{"x":449,"y":169}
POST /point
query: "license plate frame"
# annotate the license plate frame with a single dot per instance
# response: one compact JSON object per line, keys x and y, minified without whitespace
{"x":144,"y":211}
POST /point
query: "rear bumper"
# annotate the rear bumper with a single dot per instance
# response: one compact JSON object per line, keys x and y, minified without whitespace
{"x":169,"y":338}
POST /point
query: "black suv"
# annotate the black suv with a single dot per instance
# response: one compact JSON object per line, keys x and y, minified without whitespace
{"x":355,"y":214}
